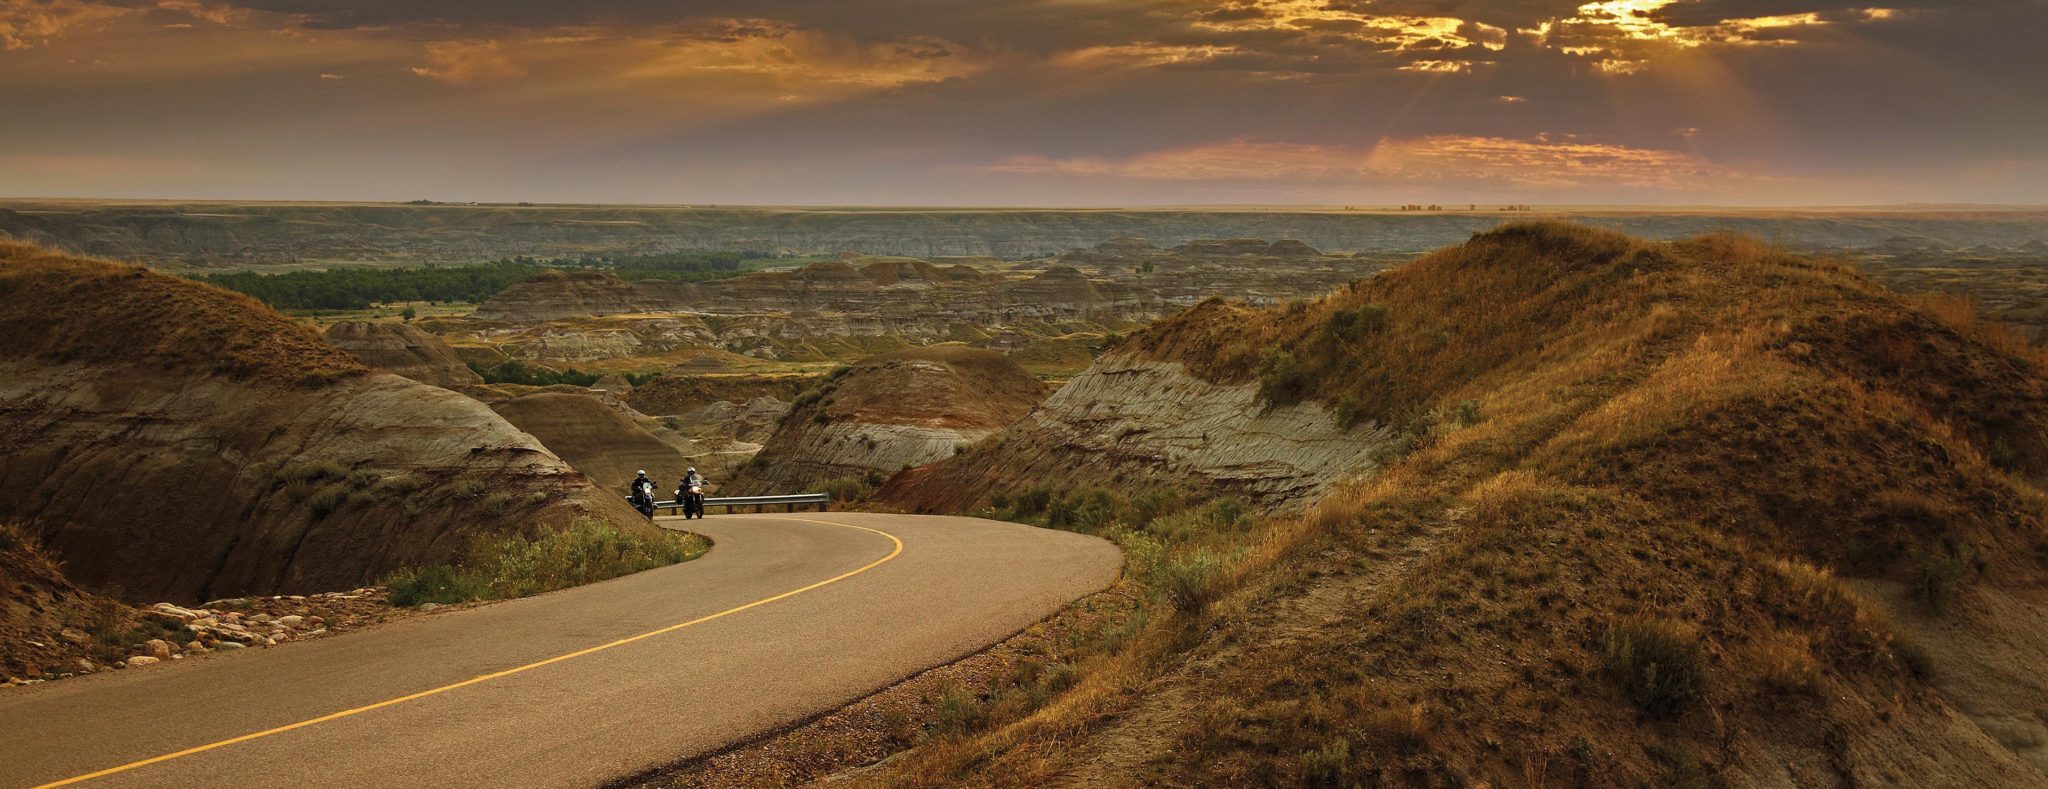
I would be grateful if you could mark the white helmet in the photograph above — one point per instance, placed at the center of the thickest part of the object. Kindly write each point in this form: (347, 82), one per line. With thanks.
(643, 472)
(693, 469)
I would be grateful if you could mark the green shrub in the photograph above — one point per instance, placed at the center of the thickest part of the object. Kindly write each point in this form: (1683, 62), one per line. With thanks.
(1153, 504)
(844, 489)
(328, 499)
(1034, 501)
(471, 488)
(1190, 580)
(496, 503)
(516, 566)
(1329, 765)
(1086, 510)
(957, 711)
(315, 471)
(1283, 379)
(1937, 575)
(402, 484)
(1357, 322)
(1351, 411)
(1657, 662)
(434, 583)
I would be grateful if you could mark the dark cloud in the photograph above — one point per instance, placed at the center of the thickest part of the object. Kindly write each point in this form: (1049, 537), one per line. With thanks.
(1689, 13)
(908, 101)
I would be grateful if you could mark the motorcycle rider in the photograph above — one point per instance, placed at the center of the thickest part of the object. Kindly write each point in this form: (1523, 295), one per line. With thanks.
(643, 494)
(693, 503)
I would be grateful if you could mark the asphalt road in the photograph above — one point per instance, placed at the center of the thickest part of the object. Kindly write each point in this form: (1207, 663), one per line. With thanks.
(724, 651)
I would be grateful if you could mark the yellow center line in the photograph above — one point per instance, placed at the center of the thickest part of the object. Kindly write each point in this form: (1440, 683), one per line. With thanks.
(898, 549)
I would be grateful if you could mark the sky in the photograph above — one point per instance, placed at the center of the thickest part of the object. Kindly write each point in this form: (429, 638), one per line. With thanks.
(1029, 102)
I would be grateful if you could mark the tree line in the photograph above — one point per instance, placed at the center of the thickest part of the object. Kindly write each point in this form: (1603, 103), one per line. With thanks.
(360, 288)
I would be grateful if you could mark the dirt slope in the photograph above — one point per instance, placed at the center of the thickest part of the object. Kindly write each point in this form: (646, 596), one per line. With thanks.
(891, 412)
(403, 349)
(178, 442)
(1680, 513)
(600, 440)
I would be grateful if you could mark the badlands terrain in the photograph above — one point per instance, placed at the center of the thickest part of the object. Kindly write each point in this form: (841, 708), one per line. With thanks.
(1551, 504)
(222, 234)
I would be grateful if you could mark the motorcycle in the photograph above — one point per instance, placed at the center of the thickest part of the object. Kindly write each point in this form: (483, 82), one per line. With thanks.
(643, 500)
(692, 500)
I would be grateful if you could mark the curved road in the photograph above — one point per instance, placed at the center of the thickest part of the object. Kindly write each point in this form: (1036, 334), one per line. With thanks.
(786, 617)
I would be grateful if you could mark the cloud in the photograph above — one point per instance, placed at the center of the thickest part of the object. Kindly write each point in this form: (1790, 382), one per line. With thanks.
(795, 58)
(29, 23)
(467, 62)
(1504, 166)
(1232, 160)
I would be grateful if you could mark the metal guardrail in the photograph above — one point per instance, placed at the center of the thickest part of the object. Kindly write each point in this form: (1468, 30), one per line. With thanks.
(757, 502)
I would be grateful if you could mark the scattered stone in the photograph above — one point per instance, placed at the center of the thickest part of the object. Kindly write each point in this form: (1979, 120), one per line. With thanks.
(229, 645)
(158, 648)
(139, 661)
(429, 606)
(74, 635)
(170, 612)
(314, 621)
(290, 621)
(85, 666)
(195, 645)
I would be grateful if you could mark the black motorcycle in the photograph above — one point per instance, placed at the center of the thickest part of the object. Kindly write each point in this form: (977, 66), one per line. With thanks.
(643, 499)
(692, 500)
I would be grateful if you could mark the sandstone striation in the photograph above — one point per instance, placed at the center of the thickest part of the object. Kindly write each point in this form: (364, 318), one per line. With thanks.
(889, 413)
(179, 442)
(602, 437)
(1129, 417)
(403, 349)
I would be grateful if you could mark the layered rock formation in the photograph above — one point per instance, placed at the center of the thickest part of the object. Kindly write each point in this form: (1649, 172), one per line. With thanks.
(601, 437)
(1132, 418)
(403, 349)
(889, 413)
(179, 442)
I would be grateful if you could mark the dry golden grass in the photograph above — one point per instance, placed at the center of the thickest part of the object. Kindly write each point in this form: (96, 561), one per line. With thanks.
(1606, 433)
(58, 308)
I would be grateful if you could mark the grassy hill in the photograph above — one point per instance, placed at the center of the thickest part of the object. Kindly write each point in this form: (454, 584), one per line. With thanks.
(1678, 513)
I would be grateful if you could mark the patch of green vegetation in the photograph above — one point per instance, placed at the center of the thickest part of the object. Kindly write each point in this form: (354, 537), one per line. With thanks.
(517, 372)
(1657, 662)
(328, 499)
(359, 288)
(1937, 576)
(515, 566)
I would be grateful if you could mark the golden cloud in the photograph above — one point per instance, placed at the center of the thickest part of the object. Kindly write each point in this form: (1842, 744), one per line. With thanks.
(1141, 54)
(799, 59)
(467, 62)
(1542, 162)
(1398, 33)
(1537, 164)
(1225, 161)
(28, 23)
(1623, 36)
